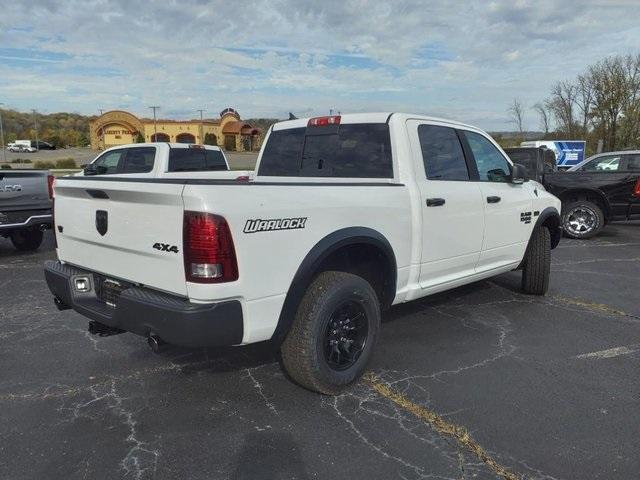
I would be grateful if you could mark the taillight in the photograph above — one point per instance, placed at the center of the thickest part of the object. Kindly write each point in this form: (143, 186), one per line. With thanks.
(50, 180)
(53, 222)
(242, 178)
(324, 121)
(636, 190)
(209, 256)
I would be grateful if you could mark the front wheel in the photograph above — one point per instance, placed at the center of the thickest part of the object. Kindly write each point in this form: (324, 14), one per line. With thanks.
(27, 240)
(333, 333)
(537, 263)
(582, 219)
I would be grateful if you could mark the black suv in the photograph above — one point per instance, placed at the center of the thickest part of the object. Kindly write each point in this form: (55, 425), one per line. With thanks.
(601, 189)
(40, 145)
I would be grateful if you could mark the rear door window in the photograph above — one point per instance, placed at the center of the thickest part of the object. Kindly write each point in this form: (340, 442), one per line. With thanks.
(632, 163)
(492, 166)
(442, 153)
(196, 160)
(139, 160)
(344, 151)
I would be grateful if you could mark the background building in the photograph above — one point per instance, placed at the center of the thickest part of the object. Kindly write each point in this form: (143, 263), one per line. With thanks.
(118, 127)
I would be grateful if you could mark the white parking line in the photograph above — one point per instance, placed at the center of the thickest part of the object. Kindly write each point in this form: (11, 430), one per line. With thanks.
(611, 352)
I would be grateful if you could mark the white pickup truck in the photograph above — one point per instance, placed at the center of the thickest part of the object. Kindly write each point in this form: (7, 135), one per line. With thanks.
(170, 160)
(345, 216)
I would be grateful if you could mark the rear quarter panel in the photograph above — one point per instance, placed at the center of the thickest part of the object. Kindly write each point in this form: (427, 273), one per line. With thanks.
(268, 260)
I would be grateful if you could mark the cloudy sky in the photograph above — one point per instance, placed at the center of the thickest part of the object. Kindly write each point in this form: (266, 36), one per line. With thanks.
(464, 60)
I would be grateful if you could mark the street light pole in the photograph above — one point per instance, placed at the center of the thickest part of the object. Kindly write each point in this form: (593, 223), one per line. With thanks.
(101, 130)
(35, 123)
(4, 153)
(155, 123)
(201, 127)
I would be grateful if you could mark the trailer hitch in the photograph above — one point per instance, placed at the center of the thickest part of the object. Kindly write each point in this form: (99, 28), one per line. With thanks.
(102, 330)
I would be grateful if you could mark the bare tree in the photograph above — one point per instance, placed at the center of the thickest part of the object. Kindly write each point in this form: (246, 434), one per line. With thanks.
(541, 110)
(630, 128)
(584, 100)
(562, 105)
(516, 112)
(609, 82)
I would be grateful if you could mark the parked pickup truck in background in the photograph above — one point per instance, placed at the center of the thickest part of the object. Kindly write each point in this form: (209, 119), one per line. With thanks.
(25, 206)
(172, 160)
(603, 188)
(345, 216)
(538, 161)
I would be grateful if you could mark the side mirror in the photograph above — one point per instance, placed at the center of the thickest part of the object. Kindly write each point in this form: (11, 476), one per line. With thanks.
(90, 170)
(519, 174)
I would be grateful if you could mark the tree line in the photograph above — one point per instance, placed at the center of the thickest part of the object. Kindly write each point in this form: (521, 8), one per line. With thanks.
(59, 129)
(601, 104)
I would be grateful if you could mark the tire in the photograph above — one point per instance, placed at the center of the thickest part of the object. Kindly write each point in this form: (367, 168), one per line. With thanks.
(537, 263)
(308, 354)
(582, 219)
(27, 240)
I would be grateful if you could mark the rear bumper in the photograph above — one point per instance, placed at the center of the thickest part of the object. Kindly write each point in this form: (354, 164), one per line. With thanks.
(144, 311)
(10, 220)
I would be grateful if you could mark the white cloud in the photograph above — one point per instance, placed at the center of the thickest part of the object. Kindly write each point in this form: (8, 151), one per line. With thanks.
(462, 60)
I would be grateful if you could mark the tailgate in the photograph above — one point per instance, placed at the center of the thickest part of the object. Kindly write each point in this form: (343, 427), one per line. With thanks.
(24, 190)
(126, 230)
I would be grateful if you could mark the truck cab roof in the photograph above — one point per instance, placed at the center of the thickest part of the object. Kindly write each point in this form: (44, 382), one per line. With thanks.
(374, 117)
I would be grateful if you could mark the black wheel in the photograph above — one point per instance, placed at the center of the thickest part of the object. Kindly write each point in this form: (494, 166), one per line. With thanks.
(537, 263)
(582, 219)
(27, 240)
(333, 333)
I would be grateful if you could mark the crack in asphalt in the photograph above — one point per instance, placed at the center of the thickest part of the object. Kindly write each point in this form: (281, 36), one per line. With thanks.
(442, 426)
(593, 306)
(139, 459)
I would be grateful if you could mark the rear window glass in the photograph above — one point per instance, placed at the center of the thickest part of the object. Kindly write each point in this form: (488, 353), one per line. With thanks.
(348, 151)
(195, 160)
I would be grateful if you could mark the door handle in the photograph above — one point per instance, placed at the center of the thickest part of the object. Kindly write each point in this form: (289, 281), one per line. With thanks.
(493, 199)
(435, 202)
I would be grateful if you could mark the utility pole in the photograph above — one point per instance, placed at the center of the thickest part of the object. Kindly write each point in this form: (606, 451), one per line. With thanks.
(4, 153)
(35, 123)
(155, 122)
(101, 130)
(201, 127)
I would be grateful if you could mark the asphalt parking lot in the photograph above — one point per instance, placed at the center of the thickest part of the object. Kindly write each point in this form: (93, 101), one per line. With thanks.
(481, 382)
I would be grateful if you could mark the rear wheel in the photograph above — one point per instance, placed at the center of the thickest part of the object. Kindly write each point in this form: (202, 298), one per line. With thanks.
(582, 219)
(333, 334)
(27, 240)
(537, 263)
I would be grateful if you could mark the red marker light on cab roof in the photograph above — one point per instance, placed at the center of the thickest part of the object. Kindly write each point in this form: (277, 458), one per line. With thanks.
(324, 121)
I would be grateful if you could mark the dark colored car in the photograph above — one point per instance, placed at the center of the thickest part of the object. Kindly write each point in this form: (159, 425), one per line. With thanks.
(40, 145)
(537, 160)
(25, 206)
(603, 188)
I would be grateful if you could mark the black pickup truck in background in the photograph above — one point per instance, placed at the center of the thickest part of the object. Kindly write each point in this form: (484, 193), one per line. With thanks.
(603, 188)
(25, 206)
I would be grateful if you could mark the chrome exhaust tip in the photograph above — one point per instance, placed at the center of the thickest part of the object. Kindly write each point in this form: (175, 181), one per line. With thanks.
(155, 342)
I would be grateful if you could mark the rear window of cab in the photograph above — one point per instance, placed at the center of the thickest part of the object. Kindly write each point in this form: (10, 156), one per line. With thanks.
(361, 150)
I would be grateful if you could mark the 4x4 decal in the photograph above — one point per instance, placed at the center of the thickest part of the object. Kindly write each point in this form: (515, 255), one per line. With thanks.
(165, 247)
(260, 225)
